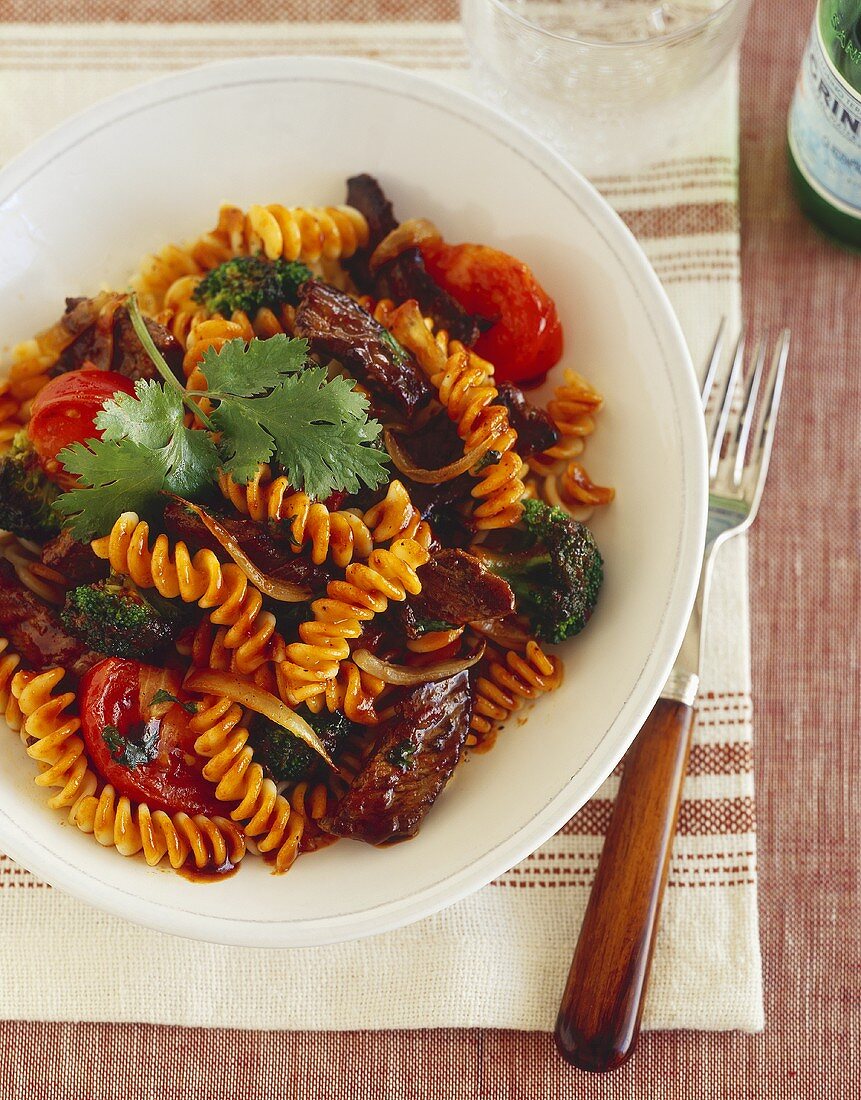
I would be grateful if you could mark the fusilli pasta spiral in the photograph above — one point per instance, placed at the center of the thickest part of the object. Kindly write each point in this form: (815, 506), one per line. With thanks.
(294, 233)
(9, 661)
(198, 578)
(212, 843)
(339, 535)
(266, 815)
(503, 685)
(565, 483)
(52, 727)
(389, 574)
(464, 383)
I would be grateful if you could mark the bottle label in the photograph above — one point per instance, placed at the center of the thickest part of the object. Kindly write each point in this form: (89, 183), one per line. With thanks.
(825, 129)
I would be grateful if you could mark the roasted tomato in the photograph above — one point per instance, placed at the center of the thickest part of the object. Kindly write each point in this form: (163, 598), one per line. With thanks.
(525, 340)
(64, 411)
(145, 750)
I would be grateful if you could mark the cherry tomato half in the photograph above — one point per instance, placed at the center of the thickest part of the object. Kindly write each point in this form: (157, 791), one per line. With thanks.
(120, 723)
(64, 411)
(526, 340)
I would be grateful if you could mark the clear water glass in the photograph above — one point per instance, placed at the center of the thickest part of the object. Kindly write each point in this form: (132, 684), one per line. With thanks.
(612, 84)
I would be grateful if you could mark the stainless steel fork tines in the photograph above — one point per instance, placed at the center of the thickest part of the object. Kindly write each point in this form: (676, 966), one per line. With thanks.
(739, 454)
(740, 431)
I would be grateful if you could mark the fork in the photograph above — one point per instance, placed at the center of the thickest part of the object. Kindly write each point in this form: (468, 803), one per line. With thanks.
(599, 1018)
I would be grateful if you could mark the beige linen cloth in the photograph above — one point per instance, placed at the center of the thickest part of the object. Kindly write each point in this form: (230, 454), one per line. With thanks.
(499, 958)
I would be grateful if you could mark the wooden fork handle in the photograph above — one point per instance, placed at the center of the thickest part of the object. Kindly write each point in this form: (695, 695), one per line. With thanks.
(599, 1019)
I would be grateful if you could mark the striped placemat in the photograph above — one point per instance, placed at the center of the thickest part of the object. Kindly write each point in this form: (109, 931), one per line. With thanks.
(499, 958)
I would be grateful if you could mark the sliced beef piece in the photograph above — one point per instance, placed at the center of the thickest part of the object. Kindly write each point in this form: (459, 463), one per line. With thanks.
(415, 755)
(75, 560)
(457, 588)
(366, 195)
(535, 429)
(130, 358)
(405, 277)
(91, 322)
(106, 340)
(337, 327)
(272, 555)
(433, 445)
(34, 630)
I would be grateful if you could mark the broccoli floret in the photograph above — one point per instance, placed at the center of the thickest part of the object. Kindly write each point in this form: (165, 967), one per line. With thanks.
(26, 495)
(248, 283)
(114, 618)
(557, 576)
(285, 755)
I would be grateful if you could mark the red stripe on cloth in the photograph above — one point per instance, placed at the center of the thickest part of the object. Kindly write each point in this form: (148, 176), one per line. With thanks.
(682, 219)
(697, 817)
(224, 11)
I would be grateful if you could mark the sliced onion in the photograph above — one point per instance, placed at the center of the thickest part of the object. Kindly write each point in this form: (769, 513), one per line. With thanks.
(429, 477)
(255, 698)
(285, 591)
(408, 234)
(506, 632)
(406, 675)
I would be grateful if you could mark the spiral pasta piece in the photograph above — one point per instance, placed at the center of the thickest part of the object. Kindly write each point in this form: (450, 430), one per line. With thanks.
(11, 416)
(340, 535)
(434, 640)
(389, 574)
(211, 843)
(223, 590)
(52, 727)
(267, 816)
(502, 686)
(566, 484)
(9, 661)
(294, 233)
(464, 383)
(574, 404)
(573, 407)
(159, 272)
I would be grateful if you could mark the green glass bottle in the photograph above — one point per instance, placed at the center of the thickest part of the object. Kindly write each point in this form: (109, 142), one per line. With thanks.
(825, 122)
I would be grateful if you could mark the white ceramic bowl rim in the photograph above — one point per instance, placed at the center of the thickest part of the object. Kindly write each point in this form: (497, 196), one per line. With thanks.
(257, 930)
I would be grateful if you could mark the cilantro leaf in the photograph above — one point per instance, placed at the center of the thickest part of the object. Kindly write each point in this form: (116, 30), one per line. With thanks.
(149, 417)
(145, 449)
(247, 370)
(115, 477)
(153, 418)
(244, 442)
(320, 431)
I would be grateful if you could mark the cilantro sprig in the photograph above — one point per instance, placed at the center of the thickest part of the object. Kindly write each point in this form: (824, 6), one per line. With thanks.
(269, 404)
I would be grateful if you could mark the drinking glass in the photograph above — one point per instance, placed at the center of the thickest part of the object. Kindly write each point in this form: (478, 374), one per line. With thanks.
(612, 84)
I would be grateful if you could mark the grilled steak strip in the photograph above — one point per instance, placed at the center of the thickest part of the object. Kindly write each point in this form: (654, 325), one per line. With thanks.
(337, 327)
(535, 429)
(414, 758)
(457, 589)
(35, 632)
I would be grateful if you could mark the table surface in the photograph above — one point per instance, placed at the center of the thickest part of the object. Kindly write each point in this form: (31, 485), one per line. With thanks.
(805, 591)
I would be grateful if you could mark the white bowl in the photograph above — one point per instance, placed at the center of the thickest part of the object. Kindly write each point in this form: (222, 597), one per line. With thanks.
(151, 166)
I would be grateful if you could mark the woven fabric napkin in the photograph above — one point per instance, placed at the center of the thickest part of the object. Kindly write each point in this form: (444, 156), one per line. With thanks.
(499, 958)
